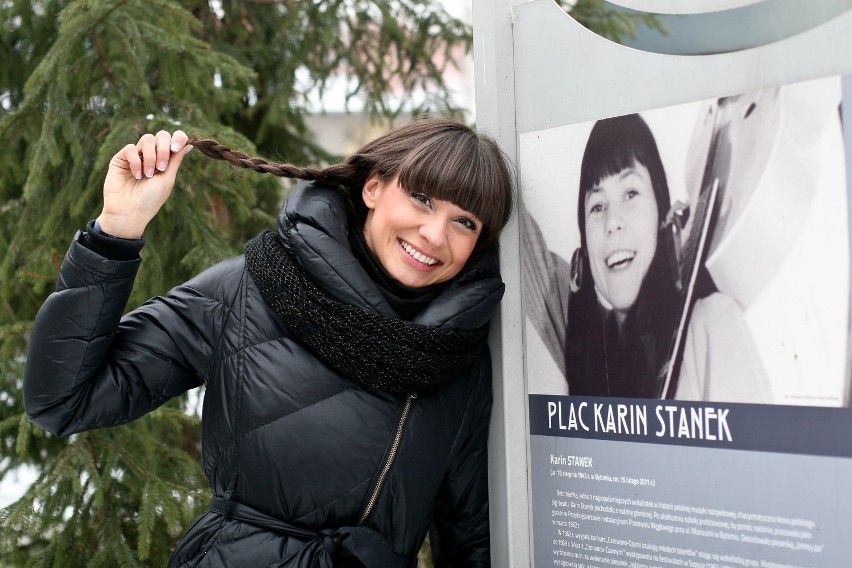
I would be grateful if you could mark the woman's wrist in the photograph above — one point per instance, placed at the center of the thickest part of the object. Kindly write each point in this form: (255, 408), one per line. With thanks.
(120, 228)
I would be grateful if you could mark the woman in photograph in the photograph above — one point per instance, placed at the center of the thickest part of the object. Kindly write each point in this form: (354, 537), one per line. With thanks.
(610, 316)
(624, 308)
(344, 358)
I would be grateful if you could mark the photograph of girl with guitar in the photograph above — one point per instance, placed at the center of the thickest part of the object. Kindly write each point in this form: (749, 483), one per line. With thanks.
(666, 291)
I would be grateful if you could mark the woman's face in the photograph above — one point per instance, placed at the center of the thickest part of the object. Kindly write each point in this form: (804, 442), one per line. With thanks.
(621, 234)
(419, 240)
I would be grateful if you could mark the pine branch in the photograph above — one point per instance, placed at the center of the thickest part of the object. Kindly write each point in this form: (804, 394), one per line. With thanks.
(102, 57)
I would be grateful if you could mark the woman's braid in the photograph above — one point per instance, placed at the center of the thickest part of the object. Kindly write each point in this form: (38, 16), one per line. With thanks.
(337, 174)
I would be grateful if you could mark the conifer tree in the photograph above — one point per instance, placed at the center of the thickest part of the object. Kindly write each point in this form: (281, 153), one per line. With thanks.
(79, 79)
(611, 21)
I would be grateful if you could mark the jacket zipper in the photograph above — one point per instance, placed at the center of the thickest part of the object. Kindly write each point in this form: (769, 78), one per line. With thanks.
(391, 456)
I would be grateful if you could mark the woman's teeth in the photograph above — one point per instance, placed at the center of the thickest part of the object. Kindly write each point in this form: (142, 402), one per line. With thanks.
(417, 256)
(619, 257)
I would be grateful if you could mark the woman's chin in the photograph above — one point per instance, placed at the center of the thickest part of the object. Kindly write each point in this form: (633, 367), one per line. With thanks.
(624, 304)
(619, 302)
(412, 277)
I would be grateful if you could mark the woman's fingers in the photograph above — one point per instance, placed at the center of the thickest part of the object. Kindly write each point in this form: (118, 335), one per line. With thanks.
(147, 147)
(178, 149)
(152, 153)
(156, 150)
(163, 145)
(131, 155)
(179, 139)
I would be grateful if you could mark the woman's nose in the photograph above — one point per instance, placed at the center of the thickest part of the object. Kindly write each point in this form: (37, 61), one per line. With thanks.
(434, 230)
(614, 219)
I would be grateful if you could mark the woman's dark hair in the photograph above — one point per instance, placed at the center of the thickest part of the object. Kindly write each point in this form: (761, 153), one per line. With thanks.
(603, 358)
(615, 144)
(437, 156)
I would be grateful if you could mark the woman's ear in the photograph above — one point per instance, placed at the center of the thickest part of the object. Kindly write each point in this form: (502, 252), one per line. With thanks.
(575, 281)
(371, 189)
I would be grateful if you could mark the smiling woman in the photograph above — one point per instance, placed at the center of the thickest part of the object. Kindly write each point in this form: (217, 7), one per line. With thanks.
(624, 308)
(420, 241)
(621, 236)
(347, 376)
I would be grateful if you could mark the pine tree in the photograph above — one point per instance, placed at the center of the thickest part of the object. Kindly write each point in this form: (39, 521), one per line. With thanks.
(78, 80)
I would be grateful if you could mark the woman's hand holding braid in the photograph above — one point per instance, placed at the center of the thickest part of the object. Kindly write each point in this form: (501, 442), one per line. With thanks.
(139, 180)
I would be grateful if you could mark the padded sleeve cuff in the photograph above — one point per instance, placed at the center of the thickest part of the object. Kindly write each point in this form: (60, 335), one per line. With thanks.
(109, 247)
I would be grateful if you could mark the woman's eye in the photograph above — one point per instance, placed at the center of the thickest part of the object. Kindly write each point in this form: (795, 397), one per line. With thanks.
(422, 198)
(596, 208)
(630, 194)
(468, 224)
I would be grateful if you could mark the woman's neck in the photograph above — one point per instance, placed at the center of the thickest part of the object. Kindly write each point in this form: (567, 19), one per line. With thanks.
(620, 315)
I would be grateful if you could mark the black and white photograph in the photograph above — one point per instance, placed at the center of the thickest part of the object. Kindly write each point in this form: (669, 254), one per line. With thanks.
(695, 252)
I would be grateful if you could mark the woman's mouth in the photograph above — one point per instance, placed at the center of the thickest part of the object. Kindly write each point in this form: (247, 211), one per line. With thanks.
(419, 257)
(620, 258)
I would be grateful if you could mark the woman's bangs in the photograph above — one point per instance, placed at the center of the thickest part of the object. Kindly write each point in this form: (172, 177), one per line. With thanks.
(610, 162)
(457, 171)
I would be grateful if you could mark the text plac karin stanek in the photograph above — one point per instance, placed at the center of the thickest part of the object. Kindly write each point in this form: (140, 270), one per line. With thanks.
(695, 423)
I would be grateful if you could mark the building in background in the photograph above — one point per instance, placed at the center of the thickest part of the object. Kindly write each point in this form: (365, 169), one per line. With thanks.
(342, 132)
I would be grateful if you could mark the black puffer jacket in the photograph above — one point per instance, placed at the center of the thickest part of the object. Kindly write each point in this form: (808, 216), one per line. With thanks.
(291, 448)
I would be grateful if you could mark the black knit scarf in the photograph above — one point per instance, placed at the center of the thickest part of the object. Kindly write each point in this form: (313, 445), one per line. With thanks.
(375, 351)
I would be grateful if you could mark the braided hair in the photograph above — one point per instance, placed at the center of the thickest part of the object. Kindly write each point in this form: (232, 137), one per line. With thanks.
(439, 157)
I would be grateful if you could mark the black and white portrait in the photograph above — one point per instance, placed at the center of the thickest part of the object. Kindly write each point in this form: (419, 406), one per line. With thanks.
(696, 252)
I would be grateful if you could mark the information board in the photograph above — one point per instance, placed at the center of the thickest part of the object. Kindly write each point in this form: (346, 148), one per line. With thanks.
(683, 264)
(710, 242)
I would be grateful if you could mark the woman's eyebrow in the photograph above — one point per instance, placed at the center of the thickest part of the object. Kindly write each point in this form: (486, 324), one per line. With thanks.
(627, 172)
(592, 190)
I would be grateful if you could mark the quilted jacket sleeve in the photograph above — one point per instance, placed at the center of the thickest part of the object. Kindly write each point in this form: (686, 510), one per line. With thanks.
(89, 367)
(461, 533)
